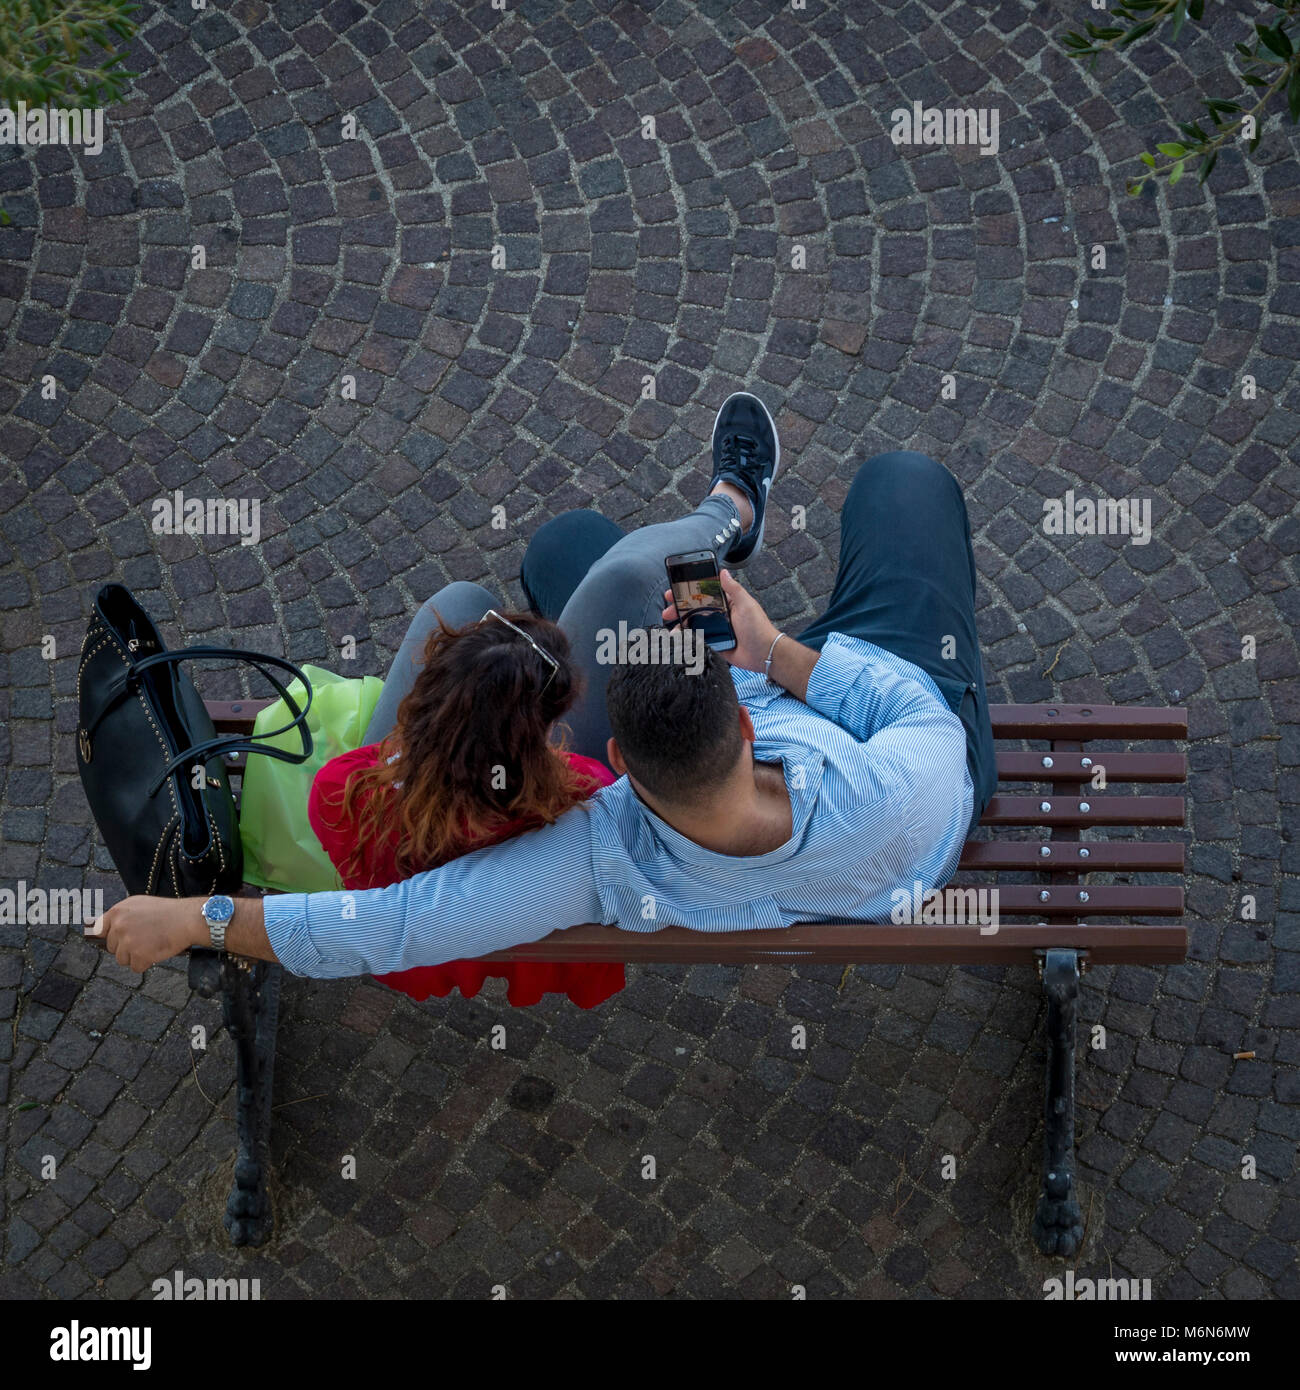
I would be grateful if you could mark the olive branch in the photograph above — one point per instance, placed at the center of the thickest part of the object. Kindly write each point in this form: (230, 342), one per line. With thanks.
(47, 48)
(1270, 64)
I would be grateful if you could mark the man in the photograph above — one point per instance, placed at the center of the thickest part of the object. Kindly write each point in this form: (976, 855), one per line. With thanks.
(811, 780)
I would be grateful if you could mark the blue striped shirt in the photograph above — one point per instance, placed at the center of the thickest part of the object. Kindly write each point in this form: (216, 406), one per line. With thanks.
(880, 796)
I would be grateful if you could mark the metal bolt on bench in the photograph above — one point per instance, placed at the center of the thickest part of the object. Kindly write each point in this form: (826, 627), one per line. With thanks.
(1055, 940)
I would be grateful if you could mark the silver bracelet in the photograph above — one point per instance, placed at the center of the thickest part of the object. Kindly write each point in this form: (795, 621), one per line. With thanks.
(767, 665)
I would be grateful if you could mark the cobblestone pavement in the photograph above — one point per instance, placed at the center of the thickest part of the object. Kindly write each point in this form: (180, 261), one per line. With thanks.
(521, 385)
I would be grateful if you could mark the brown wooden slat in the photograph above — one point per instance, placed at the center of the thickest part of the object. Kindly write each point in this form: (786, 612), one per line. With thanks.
(1086, 721)
(1066, 856)
(233, 726)
(1068, 767)
(1009, 721)
(1104, 900)
(1102, 810)
(982, 856)
(856, 943)
(235, 766)
(234, 716)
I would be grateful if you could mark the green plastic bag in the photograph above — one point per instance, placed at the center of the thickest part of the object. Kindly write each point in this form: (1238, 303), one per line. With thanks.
(280, 848)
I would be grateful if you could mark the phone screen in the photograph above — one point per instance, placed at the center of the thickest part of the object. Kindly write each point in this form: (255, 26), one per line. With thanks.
(701, 604)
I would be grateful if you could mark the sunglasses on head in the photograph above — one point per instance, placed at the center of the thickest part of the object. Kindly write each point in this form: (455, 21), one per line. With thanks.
(545, 655)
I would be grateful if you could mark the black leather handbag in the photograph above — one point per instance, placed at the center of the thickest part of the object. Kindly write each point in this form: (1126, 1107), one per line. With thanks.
(151, 761)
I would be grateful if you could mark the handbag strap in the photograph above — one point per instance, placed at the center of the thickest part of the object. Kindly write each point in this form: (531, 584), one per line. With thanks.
(125, 683)
(219, 747)
(234, 743)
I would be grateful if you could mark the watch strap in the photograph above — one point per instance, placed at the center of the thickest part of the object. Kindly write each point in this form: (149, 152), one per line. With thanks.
(216, 930)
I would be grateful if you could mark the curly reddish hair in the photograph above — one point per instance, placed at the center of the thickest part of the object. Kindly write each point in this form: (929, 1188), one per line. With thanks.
(471, 750)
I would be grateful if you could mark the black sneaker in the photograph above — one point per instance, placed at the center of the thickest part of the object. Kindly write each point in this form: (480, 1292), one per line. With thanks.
(746, 453)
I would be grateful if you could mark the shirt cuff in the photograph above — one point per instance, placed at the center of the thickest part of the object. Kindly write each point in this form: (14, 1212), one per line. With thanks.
(285, 918)
(842, 663)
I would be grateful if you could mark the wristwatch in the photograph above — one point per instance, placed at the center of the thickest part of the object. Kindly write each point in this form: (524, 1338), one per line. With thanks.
(217, 912)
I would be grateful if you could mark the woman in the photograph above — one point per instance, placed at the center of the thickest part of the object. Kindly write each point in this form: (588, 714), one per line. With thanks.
(470, 762)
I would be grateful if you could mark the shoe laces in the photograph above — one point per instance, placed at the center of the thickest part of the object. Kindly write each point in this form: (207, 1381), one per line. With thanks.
(738, 451)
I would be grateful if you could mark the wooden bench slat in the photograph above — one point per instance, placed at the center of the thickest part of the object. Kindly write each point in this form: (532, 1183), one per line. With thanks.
(1026, 811)
(853, 943)
(1104, 900)
(1068, 767)
(1009, 721)
(237, 709)
(1102, 810)
(1065, 856)
(1086, 721)
(1146, 768)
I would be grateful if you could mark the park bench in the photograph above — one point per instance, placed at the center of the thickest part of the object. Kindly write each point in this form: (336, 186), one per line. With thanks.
(1050, 840)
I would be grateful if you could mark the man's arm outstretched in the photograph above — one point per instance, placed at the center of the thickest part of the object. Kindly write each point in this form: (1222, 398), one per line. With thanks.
(517, 891)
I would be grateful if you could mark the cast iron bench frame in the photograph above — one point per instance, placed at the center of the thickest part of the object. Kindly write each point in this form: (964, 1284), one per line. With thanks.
(1057, 939)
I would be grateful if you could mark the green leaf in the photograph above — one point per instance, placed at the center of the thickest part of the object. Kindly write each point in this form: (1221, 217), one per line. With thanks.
(1275, 39)
(1196, 9)
(1149, 160)
(1176, 173)
(27, 1104)
(1207, 166)
(1136, 33)
(1172, 149)
(1180, 18)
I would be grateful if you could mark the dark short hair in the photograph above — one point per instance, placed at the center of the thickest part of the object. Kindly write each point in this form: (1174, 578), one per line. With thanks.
(679, 733)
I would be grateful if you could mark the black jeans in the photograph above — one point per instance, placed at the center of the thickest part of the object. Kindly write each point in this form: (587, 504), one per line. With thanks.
(906, 582)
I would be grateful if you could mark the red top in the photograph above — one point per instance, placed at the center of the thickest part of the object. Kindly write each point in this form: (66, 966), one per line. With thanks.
(586, 985)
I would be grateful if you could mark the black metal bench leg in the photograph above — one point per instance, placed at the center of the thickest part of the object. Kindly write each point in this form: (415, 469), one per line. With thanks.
(250, 1005)
(1058, 1222)
(250, 1008)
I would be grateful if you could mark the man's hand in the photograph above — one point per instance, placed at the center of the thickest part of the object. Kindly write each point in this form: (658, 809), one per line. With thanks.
(141, 931)
(792, 663)
(754, 630)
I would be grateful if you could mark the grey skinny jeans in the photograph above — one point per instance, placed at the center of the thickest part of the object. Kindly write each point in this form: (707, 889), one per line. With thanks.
(627, 582)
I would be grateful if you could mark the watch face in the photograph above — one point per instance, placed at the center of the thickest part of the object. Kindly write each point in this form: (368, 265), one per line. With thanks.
(219, 908)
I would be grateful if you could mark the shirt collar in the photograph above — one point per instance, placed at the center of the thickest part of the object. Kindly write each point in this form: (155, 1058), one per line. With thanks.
(803, 768)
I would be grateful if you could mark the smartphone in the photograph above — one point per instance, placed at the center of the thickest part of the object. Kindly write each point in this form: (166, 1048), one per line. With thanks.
(697, 592)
